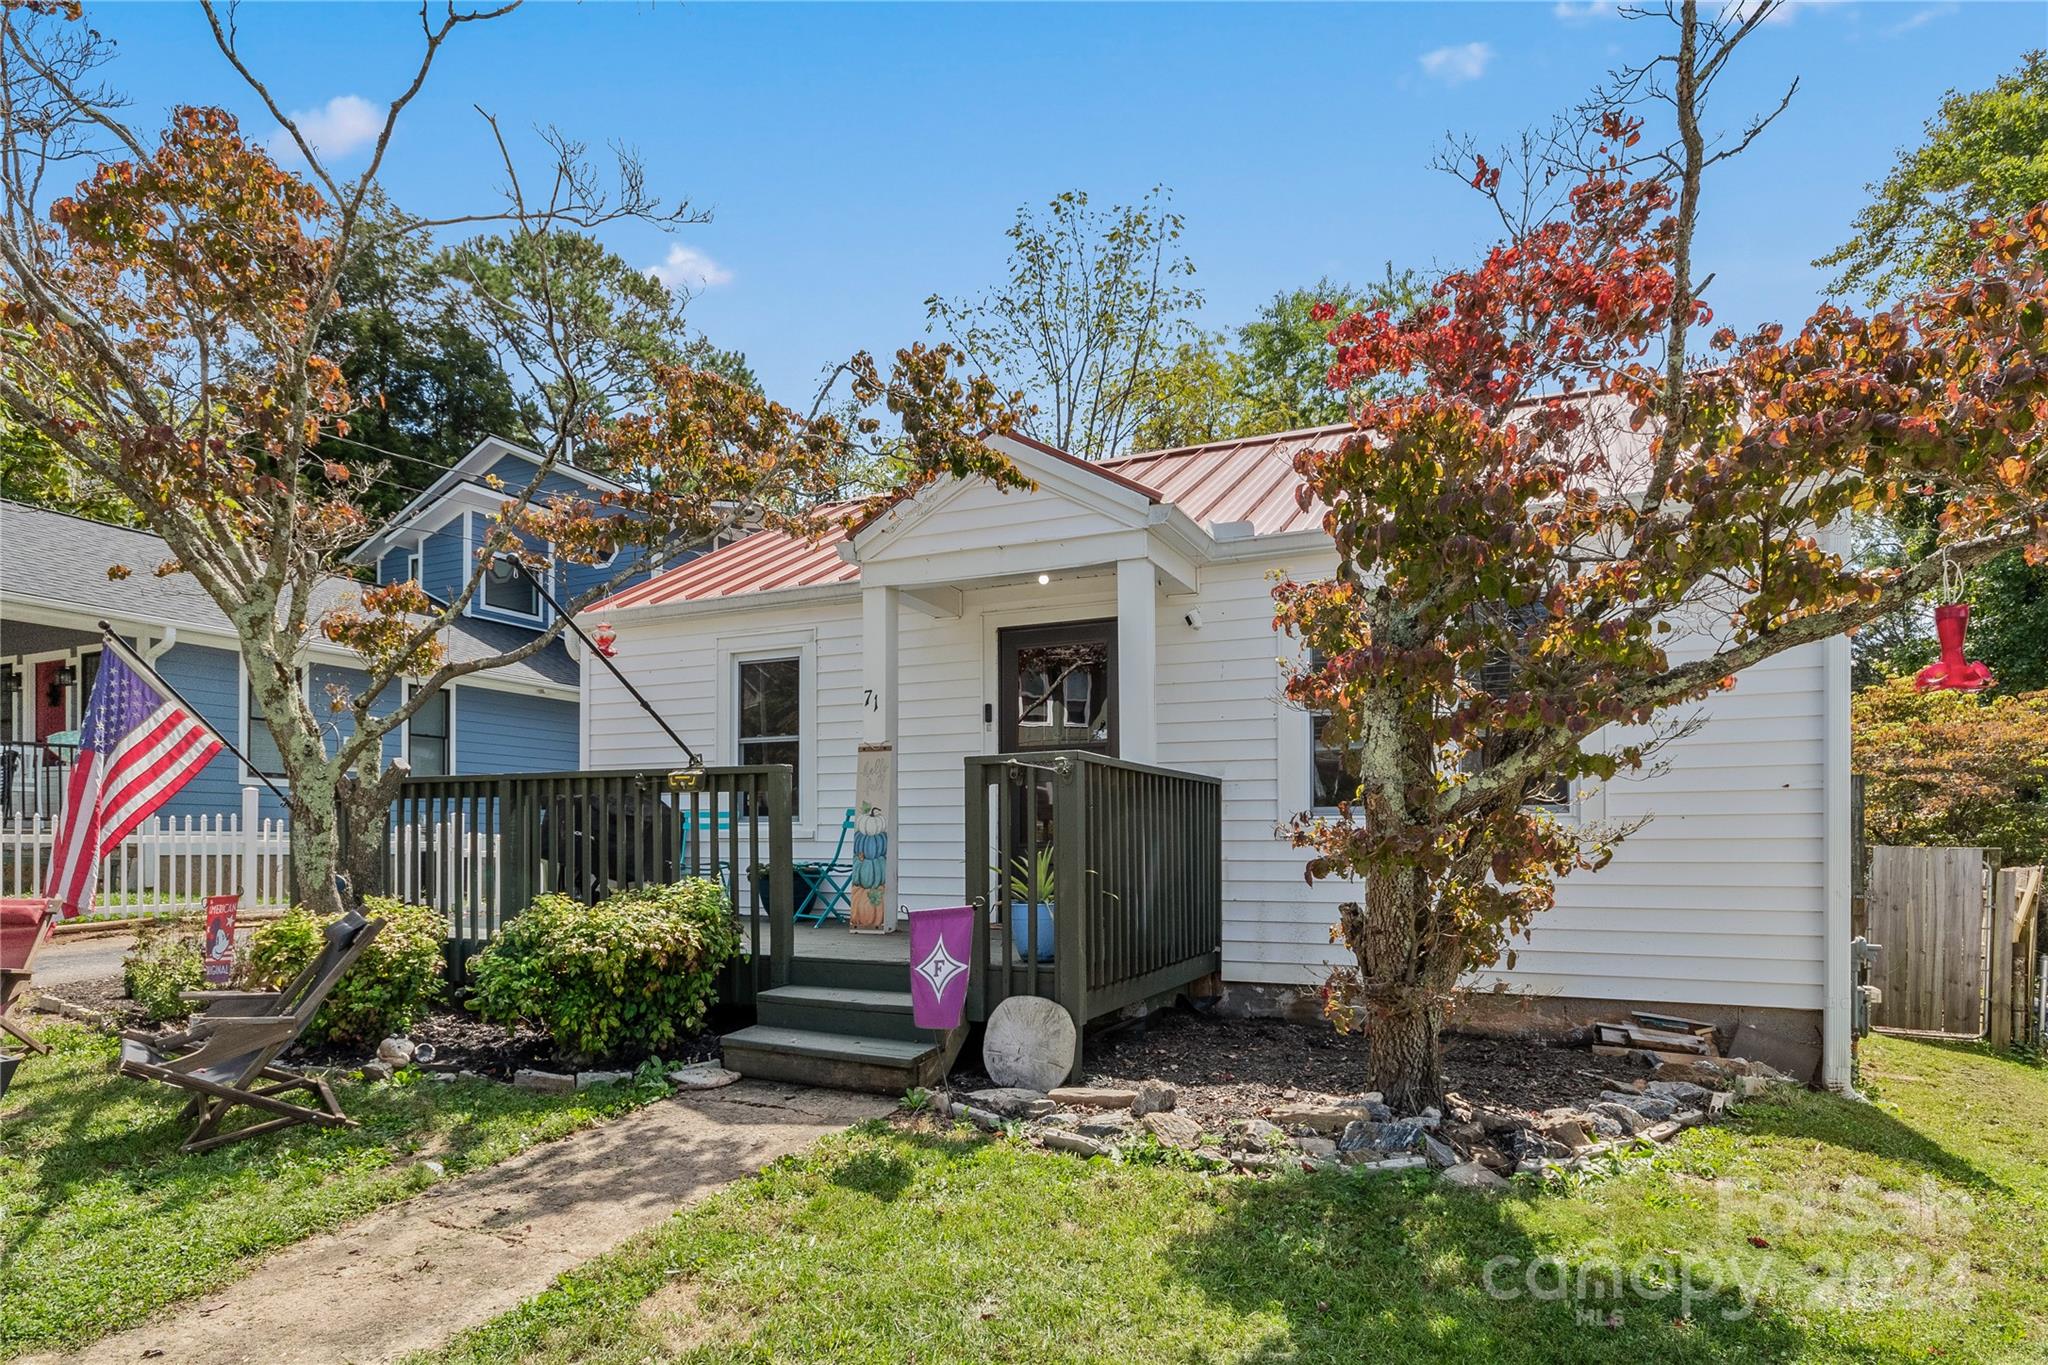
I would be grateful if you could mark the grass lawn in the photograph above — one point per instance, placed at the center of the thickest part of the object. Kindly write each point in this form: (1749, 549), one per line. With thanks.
(103, 1220)
(1808, 1228)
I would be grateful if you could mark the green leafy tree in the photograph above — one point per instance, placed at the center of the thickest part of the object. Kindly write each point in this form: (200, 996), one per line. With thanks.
(428, 387)
(1287, 354)
(34, 470)
(1985, 155)
(1095, 308)
(1948, 769)
(1274, 375)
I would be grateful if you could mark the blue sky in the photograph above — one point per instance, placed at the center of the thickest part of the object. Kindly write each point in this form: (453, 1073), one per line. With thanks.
(859, 158)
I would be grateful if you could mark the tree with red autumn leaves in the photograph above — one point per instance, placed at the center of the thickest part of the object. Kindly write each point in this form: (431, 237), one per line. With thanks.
(1549, 537)
(167, 325)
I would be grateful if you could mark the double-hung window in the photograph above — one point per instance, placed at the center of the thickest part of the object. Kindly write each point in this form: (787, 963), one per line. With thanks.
(428, 733)
(771, 712)
(258, 743)
(1330, 782)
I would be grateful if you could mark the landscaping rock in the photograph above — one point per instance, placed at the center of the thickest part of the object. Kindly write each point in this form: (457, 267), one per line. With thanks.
(702, 1076)
(1061, 1141)
(1029, 1044)
(1175, 1130)
(1603, 1125)
(1057, 1120)
(1681, 1092)
(1369, 1161)
(979, 1117)
(1012, 1101)
(586, 1079)
(1092, 1097)
(1363, 1135)
(1256, 1135)
(1440, 1153)
(1471, 1175)
(1652, 1107)
(1321, 1120)
(397, 1051)
(1113, 1124)
(554, 1082)
(1370, 1106)
(1262, 1162)
(1494, 1122)
(1317, 1148)
(376, 1071)
(1153, 1097)
(1623, 1116)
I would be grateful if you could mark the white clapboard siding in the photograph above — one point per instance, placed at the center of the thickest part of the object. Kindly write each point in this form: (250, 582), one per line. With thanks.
(1718, 899)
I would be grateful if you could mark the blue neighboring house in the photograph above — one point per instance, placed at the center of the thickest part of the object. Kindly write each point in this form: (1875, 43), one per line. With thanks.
(54, 588)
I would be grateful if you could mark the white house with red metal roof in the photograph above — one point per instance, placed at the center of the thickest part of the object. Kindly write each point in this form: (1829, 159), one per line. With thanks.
(1125, 607)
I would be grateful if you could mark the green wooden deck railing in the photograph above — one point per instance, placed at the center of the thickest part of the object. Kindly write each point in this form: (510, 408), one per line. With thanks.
(480, 849)
(1137, 870)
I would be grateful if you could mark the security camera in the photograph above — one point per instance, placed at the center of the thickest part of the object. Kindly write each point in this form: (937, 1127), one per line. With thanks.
(1193, 617)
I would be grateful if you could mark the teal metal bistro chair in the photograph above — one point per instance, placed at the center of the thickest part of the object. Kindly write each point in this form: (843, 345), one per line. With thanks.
(829, 885)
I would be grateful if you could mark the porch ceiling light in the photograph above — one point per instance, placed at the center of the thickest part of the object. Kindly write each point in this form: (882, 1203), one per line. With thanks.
(1044, 579)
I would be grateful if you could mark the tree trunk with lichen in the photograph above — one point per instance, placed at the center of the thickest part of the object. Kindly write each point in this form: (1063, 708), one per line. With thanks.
(1406, 975)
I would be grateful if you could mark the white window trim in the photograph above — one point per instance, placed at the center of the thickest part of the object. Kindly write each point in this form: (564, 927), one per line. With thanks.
(412, 563)
(405, 745)
(733, 650)
(480, 609)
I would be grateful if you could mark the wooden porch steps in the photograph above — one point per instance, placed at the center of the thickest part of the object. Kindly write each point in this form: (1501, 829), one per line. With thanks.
(845, 1061)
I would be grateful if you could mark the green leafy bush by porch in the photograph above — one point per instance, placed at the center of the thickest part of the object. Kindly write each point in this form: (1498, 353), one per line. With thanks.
(395, 981)
(631, 974)
(166, 960)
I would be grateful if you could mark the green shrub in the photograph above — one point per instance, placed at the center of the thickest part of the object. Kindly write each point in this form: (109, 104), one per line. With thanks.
(395, 981)
(631, 974)
(167, 958)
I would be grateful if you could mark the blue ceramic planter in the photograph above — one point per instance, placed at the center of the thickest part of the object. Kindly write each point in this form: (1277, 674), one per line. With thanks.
(1020, 929)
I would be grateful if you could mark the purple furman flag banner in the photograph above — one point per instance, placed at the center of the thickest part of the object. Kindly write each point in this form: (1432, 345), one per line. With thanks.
(941, 945)
(136, 748)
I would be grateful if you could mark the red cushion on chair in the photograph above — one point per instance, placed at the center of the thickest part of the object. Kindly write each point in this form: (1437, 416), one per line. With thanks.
(22, 923)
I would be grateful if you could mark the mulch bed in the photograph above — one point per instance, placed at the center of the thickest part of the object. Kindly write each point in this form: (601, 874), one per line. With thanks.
(462, 1042)
(107, 995)
(1224, 1068)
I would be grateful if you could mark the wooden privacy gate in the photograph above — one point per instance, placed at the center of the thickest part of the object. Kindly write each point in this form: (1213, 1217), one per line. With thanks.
(1958, 939)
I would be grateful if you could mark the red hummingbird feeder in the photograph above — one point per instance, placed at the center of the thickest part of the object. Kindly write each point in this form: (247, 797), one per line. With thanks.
(605, 640)
(1952, 672)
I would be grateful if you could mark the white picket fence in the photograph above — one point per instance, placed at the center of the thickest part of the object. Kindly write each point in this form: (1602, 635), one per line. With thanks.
(167, 864)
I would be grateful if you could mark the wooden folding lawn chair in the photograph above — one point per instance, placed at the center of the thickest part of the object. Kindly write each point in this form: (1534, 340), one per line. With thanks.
(25, 927)
(227, 1056)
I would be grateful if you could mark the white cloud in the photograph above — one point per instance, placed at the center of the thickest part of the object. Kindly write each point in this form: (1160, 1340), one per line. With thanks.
(344, 124)
(1925, 15)
(689, 269)
(1457, 64)
(1581, 11)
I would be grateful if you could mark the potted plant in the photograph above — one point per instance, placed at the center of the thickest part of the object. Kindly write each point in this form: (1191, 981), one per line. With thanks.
(1031, 885)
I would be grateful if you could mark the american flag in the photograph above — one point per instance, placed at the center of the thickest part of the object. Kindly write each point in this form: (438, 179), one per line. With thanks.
(136, 748)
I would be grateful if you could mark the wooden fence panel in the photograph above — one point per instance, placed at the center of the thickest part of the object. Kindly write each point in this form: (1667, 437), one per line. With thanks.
(2015, 932)
(1928, 912)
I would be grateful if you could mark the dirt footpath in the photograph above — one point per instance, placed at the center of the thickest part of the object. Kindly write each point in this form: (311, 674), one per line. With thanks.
(410, 1276)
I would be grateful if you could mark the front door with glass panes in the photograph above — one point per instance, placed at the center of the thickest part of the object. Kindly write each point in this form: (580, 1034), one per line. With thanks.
(1055, 689)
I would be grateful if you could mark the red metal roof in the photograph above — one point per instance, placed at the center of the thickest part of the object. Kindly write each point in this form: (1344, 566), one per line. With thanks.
(766, 561)
(1250, 479)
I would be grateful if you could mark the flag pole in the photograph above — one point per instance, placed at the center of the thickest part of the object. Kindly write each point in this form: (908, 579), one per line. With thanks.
(113, 641)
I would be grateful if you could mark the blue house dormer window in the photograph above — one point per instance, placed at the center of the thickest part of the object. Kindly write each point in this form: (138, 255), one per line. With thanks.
(508, 590)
